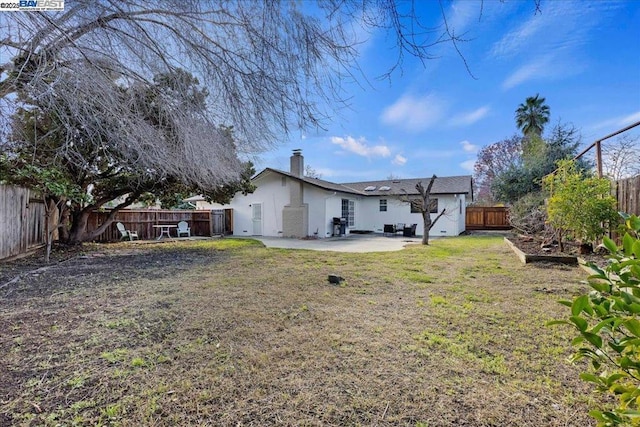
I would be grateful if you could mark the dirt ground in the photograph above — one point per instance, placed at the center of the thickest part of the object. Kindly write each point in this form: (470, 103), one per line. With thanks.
(230, 333)
(532, 246)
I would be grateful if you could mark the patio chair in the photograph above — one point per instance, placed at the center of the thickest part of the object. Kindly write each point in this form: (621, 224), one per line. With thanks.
(124, 233)
(410, 231)
(389, 229)
(183, 228)
(400, 227)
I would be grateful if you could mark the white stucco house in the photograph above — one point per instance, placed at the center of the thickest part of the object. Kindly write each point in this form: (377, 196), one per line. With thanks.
(288, 204)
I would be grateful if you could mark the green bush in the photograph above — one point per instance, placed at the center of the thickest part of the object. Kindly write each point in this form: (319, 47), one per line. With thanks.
(607, 320)
(580, 206)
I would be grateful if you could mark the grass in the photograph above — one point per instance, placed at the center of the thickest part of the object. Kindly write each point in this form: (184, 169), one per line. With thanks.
(228, 332)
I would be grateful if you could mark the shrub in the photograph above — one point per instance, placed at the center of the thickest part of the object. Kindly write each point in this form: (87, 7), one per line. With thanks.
(580, 206)
(607, 320)
(528, 214)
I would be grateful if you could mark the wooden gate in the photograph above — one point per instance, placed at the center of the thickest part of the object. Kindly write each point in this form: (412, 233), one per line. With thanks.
(487, 218)
(222, 221)
(21, 221)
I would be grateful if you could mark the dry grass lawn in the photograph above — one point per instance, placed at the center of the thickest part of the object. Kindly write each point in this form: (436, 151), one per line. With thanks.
(229, 333)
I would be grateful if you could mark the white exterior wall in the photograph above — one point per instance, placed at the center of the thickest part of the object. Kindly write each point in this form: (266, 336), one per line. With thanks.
(273, 196)
(316, 199)
(324, 205)
(332, 208)
(450, 224)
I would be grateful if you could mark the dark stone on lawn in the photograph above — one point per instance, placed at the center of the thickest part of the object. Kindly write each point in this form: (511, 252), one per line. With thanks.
(335, 279)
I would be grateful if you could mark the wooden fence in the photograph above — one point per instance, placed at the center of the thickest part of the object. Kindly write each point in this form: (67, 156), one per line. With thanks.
(21, 221)
(202, 223)
(627, 192)
(487, 218)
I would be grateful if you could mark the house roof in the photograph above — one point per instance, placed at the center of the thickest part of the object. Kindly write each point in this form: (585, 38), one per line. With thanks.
(320, 183)
(442, 185)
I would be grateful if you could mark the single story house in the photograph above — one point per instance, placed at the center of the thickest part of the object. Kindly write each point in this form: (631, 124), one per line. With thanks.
(289, 204)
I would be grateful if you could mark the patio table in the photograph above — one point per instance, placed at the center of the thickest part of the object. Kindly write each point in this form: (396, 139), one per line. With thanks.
(165, 230)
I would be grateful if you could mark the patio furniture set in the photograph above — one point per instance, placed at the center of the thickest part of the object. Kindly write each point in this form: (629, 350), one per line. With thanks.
(182, 228)
(406, 229)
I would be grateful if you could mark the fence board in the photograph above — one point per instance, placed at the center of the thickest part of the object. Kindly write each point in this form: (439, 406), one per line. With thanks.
(487, 218)
(628, 194)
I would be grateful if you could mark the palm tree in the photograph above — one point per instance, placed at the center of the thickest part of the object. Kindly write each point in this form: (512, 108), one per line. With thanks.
(532, 115)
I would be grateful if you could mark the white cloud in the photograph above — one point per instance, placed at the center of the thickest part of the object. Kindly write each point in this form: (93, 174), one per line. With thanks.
(468, 165)
(565, 24)
(552, 43)
(399, 160)
(461, 15)
(468, 147)
(513, 41)
(621, 121)
(414, 113)
(360, 147)
(469, 118)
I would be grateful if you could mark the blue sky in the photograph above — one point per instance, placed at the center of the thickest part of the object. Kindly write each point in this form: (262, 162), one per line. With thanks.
(582, 56)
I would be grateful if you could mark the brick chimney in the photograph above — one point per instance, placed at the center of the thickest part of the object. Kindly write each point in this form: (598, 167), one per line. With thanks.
(295, 215)
(297, 163)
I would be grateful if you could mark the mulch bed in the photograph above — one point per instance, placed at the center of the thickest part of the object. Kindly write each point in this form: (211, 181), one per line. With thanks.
(531, 245)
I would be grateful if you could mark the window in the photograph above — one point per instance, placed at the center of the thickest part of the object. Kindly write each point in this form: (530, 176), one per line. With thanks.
(348, 212)
(385, 188)
(383, 205)
(370, 188)
(415, 206)
(433, 205)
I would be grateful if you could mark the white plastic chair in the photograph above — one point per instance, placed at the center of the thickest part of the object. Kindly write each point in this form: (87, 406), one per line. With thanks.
(183, 228)
(124, 233)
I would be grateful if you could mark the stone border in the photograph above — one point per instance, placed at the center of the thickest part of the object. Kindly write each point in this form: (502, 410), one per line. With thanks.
(527, 258)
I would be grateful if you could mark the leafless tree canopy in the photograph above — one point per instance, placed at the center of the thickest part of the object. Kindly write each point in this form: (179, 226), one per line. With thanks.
(621, 157)
(268, 66)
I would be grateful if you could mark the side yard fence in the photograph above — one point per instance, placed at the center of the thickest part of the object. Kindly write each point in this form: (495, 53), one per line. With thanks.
(487, 218)
(627, 192)
(202, 223)
(21, 221)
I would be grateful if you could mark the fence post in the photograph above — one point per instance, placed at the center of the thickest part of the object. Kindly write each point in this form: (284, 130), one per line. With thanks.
(599, 158)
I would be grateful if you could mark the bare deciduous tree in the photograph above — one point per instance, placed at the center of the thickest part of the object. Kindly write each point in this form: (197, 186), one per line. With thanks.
(422, 203)
(268, 65)
(621, 157)
(310, 172)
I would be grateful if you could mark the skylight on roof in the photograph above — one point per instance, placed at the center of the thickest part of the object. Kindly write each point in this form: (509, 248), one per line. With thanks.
(370, 188)
(385, 188)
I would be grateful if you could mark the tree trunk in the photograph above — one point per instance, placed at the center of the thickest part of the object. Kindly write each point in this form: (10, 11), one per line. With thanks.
(78, 232)
(560, 242)
(426, 220)
(80, 220)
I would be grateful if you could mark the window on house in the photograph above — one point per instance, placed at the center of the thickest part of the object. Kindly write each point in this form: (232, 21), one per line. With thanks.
(433, 206)
(348, 212)
(383, 205)
(460, 206)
